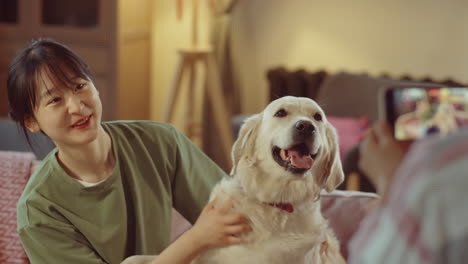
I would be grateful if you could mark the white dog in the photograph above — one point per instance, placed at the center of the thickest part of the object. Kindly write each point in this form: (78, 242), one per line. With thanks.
(282, 159)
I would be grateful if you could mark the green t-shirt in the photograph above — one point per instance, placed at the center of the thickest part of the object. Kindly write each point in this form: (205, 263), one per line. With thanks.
(157, 168)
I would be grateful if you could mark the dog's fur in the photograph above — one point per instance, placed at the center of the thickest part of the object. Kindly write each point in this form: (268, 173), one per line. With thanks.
(257, 180)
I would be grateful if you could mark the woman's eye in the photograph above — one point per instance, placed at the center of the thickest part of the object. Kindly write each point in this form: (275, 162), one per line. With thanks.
(281, 113)
(318, 117)
(54, 100)
(80, 86)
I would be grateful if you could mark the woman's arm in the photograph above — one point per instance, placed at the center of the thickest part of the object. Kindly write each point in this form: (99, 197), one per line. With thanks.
(216, 227)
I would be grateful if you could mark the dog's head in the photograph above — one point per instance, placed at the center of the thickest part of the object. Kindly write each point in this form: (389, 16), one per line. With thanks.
(287, 153)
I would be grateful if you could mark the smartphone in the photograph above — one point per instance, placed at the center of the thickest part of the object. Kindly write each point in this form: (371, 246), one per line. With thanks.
(415, 112)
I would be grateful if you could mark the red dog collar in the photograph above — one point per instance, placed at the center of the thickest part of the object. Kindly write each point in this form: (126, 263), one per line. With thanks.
(283, 206)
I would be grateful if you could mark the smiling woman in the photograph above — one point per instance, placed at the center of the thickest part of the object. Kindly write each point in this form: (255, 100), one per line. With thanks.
(106, 192)
(44, 73)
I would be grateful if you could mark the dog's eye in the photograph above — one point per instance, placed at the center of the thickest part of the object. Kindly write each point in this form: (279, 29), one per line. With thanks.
(281, 113)
(318, 117)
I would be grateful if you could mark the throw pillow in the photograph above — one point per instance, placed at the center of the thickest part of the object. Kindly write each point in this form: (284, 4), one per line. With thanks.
(350, 131)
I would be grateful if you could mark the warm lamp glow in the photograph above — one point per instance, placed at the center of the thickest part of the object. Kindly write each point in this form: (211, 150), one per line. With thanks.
(195, 3)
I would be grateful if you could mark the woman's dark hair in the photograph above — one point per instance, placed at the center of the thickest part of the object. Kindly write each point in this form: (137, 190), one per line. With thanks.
(27, 70)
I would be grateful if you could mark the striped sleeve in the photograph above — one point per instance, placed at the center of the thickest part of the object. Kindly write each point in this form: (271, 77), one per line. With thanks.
(424, 220)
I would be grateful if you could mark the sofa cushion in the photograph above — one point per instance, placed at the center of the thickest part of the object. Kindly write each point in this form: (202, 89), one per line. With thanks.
(350, 131)
(14, 173)
(179, 225)
(344, 211)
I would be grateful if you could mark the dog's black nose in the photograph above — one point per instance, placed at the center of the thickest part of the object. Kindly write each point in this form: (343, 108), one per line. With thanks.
(305, 127)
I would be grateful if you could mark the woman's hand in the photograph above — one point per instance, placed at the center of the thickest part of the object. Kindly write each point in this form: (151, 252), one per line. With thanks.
(218, 227)
(215, 227)
(380, 155)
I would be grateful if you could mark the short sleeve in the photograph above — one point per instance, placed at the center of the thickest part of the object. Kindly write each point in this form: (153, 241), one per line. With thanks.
(45, 244)
(194, 178)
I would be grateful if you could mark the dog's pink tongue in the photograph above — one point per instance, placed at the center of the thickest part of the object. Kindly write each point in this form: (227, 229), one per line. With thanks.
(301, 162)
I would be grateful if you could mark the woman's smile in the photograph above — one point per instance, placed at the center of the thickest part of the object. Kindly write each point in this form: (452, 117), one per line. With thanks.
(82, 123)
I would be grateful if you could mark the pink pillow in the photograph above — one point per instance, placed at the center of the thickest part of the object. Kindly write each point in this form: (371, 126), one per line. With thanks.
(15, 168)
(350, 131)
(179, 225)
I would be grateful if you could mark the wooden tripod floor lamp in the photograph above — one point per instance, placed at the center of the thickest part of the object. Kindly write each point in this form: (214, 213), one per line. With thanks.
(189, 59)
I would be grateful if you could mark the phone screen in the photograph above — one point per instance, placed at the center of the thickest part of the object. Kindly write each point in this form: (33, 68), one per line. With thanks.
(416, 112)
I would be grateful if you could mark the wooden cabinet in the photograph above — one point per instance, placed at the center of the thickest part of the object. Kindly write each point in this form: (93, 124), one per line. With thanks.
(112, 36)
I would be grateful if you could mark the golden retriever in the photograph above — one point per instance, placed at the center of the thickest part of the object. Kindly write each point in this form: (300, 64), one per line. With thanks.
(282, 159)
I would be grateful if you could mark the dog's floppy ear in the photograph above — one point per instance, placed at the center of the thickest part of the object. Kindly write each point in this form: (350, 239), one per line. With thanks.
(333, 175)
(245, 141)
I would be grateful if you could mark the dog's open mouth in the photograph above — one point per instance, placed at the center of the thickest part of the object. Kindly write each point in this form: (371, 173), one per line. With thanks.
(296, 159)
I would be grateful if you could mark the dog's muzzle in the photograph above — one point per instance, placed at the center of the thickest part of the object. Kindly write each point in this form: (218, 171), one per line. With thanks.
(297, 159)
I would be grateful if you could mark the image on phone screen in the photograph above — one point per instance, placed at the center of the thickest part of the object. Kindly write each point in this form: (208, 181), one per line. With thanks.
(418, 112)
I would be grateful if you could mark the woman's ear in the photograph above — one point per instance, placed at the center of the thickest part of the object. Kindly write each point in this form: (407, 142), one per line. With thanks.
(31, 124)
